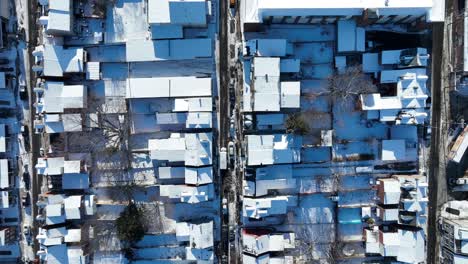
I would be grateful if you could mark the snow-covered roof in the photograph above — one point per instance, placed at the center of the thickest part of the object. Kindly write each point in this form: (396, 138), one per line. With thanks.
(171, 149)
(72, 235)
(2, 80)
(58, 97)
(258, 242)
(393, 150)
(72, 205)
(93, 70)
(198, 176)
(256, 11)
(412, 246)
(290, 94)
(60, 254)
(197, 104)
(165, 173)
(188, 194)
(268, 47)
(395, 56)
(90, 204)
(3, 145)
(178, 12)
(58, 60)
(389, 191)
(262, 187)
(199, 149)
(273, 149)
(60, 17)
(176, 49)
(4, 171)
(262, 207)
(199, 120)
(50, 166)
(350, 37)
(195, 149)
(59, 123)
(54, 214)
(168, 87)
(198, 235)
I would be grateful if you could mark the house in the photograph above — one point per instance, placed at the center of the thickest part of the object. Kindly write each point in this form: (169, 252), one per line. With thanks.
(260, 241)
(59, 61)
(258, 208)
(267, 48)
(4, 174)
(187, 194)
(265, 187)
(405, 246)
(60, 17)
(60, 123)
(415, 57)
(177, 12)
(407, 103)
(64, 254)
(73, 207)
(388, 190)
(198, 176)
(199, 238)
(57, 97)
(191, 149)
(3, 142)
(307, 12)
(169, 87)
(453, 228)
(74, 177)
(273, 149)
(174, 49)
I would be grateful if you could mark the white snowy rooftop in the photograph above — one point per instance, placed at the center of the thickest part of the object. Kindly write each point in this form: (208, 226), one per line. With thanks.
(60, 17)
(273, 149)
(178, 12)
(176, 49)
(58, 97)
(4, 171)
(256, 11)
(389, 191)
(262, 207)
(59, 123)
(188, 194)
(198, 235)
(171, 87)
(58, 60)
(194, 149)
(3, 145)
(257, 242)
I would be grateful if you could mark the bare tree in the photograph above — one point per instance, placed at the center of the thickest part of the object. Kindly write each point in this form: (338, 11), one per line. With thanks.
(347, 85)
(296, 123)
